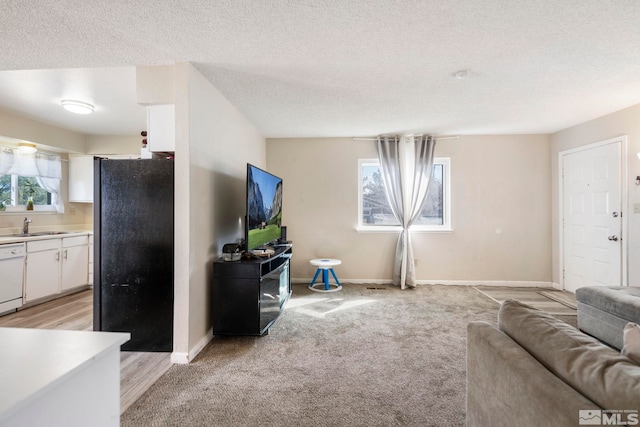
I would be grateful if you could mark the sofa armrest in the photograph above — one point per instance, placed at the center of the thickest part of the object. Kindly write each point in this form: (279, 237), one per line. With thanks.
(506, 386)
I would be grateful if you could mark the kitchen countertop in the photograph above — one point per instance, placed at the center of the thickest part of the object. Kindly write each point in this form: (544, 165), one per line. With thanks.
(35, 361)
(18, 239)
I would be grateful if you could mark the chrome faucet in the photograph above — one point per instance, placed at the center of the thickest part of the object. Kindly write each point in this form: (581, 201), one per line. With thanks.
(25, 226)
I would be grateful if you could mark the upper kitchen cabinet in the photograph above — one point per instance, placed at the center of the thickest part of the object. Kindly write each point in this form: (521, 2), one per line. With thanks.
(81, 175)
(161, 127)
(81, 179)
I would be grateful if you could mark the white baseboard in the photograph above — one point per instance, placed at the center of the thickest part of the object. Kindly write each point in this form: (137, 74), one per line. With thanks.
(180, 358)
(509, 283)
(557, 286)
(183, 358)
(514, 283)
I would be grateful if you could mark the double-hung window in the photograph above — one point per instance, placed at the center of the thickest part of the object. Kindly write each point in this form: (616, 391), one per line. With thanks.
(374, 211)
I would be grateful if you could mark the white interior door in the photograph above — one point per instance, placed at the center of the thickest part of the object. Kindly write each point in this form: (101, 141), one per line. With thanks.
(592, 222)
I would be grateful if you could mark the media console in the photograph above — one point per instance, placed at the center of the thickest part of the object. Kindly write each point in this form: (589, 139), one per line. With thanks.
(247, 296)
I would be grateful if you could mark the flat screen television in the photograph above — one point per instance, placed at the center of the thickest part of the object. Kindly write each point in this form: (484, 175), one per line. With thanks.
(264, 208)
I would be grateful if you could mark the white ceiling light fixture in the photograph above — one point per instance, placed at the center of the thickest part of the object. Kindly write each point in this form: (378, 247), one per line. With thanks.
(27, 148)
(77, 107)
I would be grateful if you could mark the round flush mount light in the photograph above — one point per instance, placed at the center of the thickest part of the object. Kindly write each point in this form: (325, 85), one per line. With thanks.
(77, 107)
(27, 148)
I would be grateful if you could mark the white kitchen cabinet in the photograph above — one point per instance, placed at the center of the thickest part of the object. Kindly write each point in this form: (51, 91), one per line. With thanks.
(161, 128)
(81, 179)
(56, 265)
(42, 276)
(81, 175)
(75, 262)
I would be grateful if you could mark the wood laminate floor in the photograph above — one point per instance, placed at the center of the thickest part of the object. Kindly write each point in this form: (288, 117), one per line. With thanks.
(550, 300)
(138, 371)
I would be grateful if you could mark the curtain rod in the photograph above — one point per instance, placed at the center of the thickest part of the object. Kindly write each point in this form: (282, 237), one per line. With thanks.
(435, 137)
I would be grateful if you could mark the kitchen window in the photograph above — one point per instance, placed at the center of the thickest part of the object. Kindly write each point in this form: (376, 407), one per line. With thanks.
(374, 211)
(30, 179)
(16, 190)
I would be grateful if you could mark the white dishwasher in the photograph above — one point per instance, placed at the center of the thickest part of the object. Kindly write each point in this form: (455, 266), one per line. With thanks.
(11, 276)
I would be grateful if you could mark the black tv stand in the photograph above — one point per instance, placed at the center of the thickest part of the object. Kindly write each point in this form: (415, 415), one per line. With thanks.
(248, 295)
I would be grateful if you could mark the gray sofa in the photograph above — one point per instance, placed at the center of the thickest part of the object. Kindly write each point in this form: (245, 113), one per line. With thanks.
(603, 311)
(535, 370)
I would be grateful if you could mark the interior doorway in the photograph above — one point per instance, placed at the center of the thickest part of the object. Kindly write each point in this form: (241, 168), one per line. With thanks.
(593, 231)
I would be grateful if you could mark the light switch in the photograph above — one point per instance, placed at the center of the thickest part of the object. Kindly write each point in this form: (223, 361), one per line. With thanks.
(636, 208)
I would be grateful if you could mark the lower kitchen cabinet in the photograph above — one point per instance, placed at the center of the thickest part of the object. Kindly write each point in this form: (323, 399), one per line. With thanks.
(55, 265)
(42, 275)
(75, 262)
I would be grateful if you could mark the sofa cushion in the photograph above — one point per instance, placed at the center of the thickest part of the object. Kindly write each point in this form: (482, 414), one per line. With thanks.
(600, 373)
(621, 301)
(507, 386)
(631, 347)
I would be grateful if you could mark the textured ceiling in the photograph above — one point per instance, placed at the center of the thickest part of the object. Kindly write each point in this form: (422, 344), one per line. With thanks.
(341, 68)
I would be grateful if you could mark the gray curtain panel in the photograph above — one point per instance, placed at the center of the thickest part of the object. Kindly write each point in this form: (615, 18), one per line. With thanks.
(392, 157)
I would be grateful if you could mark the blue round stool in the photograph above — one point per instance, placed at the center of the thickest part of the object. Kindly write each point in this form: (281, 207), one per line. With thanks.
(325, 265)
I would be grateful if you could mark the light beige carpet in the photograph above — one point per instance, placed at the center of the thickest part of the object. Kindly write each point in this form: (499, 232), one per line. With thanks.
(368, 355)
(549, 300)
(357, 357)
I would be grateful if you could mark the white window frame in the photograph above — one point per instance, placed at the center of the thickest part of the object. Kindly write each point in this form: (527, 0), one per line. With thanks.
(10, 209)
(444, 227)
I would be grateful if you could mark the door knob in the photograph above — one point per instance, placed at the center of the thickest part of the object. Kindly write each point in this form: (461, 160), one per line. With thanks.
(614, 238)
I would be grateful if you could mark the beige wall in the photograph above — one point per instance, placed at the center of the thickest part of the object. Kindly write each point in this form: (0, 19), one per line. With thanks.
(624, 122)
(19, 127)
(214, 142)
(113, 144)
(499, 183)
(47, 137)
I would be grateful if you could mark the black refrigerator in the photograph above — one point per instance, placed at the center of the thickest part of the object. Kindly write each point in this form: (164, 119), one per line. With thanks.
(133, 251)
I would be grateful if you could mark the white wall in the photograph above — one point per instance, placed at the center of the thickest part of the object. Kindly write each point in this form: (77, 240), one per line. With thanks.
(214, 142)
(624, 122)
(499, 182)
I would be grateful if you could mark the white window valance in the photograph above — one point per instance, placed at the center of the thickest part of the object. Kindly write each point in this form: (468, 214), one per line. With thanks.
(7, 158)
(47, 168)
(37, 164)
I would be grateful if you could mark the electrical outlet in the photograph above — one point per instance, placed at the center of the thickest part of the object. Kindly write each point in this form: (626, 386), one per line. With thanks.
(72, 211)
(415, 261)
(636, 208)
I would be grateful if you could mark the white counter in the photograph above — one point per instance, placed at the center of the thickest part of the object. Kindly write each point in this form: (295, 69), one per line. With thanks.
(13, 239)
(54, 377)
